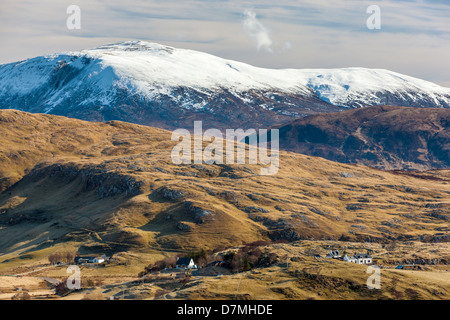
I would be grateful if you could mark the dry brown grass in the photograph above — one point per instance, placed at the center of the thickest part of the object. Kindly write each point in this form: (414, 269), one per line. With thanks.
(304, 277)
(62, 181)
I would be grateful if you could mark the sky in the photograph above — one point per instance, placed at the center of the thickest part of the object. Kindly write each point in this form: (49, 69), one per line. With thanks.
(413, 38)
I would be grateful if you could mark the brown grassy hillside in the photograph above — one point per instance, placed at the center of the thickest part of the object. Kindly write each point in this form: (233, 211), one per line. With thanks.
(109, 187)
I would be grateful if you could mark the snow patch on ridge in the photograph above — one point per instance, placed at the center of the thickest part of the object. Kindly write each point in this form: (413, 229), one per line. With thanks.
(151, 70)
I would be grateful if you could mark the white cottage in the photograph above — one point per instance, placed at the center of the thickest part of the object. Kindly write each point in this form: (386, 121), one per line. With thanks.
(363, 258)
(334, 254)
(185, 263)
(351, 259)
(81, 260)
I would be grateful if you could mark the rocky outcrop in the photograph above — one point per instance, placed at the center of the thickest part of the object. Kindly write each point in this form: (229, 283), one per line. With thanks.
(170, 193)
(252, 209)
(106, 183)
(199, 214)
(183, 226)
(385, 137)
(288, 234)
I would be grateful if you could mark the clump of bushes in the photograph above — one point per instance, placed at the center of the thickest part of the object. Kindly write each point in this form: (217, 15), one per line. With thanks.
(161, 292)
(159, 265)
(21, 296)
(65, 257)
(249, 256)
(246, 258)
(90, 283)
(201, 258)
(61, 288)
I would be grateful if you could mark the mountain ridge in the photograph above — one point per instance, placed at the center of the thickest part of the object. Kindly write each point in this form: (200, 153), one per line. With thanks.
(156, 85)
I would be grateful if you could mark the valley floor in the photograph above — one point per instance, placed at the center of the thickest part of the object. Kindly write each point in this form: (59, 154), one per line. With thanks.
(295, 274)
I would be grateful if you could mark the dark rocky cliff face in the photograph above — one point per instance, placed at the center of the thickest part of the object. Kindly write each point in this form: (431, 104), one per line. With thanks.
(105, 183)
(222, 109)
(384, 137)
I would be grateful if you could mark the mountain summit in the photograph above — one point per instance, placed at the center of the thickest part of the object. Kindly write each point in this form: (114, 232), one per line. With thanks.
(153, 84)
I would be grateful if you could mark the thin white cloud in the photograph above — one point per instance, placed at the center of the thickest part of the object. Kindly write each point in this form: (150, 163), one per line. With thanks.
(287, 46)
(257, 31)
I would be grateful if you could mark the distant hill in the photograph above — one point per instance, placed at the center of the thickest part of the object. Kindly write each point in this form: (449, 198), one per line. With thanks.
(384, 137)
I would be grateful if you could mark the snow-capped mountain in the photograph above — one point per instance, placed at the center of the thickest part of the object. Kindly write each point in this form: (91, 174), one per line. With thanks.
(152, 84)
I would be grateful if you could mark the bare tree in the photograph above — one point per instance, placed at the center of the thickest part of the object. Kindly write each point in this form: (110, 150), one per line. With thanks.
(70, 257)
(54, 258)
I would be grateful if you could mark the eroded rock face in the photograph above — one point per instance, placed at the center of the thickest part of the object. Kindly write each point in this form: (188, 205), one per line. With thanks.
(105, 183)
(199, 214)
(288, 234)
(183, 226)
(169, 193)
(253, 209)
(385, 137)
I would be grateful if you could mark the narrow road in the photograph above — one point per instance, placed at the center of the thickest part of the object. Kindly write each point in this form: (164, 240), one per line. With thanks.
(49, 280)
(52, 281)
(32, 271)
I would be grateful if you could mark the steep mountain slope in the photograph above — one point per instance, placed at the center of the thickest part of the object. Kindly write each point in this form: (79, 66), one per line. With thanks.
(109, 187)
(152, 84)
(383, 136)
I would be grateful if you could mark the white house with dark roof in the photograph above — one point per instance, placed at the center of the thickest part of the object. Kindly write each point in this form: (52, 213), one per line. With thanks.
(185, 263)
(334, 254)
(351, 259)
(81, 260)
(363, 258)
